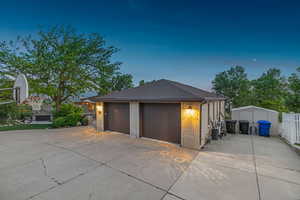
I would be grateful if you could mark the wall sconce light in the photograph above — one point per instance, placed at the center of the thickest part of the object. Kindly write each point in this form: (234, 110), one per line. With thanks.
(190, 110)
(99, 109)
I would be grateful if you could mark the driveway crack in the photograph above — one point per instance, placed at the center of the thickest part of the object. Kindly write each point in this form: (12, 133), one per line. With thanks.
(184, 170)
(255, 168)
(62, 183)
(44, 166)
(75, 152)
(90, 196)
(46, 172)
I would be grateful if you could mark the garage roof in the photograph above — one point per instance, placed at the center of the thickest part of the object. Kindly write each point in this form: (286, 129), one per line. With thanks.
(254, 107)
(160, 91)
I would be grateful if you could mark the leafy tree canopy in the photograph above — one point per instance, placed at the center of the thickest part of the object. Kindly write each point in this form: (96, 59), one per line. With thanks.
(233, 84)
(269, 90)
(293, 97)
(143, 82)
(62, 63)
(5, 82)
(114, 82)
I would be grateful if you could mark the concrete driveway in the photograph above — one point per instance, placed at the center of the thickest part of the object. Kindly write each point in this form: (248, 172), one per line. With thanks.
(77, 163)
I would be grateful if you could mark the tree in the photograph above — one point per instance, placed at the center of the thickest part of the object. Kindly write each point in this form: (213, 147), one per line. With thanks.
(62, 64)
(233, 84)
(293, 97)
(5, 81)
(121, 82)
(269, 90)
(114, 82)
(6, 95)
(143, 82)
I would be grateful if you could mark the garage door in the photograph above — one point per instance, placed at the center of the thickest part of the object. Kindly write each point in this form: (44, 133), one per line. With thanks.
(161, 121)
(116, 117)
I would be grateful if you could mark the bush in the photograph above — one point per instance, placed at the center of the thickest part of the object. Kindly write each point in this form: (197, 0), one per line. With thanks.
(69, 115)
(73, 119)
(13, 112)
(25, 111)
(67, 109)
(59, 122)
(84, 121)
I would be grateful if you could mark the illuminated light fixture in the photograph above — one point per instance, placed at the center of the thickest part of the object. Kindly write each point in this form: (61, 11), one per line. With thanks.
(99, 108)
(190, 110)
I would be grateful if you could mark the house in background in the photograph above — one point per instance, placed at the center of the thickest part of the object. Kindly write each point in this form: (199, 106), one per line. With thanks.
(88, 108)
(163, 110)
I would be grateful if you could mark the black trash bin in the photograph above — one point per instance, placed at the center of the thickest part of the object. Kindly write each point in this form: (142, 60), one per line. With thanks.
(214, 134)
(231, 126)
(244, 126)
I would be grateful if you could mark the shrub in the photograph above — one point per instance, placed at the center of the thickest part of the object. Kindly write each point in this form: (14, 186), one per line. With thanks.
(8, 110)
(84, 121)
(72, 119)
(25, 111)
(67, 109)
(69, 115)
(13, 112)
(59, 122)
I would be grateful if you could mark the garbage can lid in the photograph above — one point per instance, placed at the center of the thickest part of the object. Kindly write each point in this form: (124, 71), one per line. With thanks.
(263, 122)
(234, 121)
(244, 121)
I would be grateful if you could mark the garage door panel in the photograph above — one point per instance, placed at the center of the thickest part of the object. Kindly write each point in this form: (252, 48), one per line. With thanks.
(116, 117)
(161, 121)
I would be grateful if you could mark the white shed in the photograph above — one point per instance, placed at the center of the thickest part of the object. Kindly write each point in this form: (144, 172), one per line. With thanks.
(254, 114)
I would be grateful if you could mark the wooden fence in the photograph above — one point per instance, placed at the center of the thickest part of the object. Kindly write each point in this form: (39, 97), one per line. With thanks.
(291, 127)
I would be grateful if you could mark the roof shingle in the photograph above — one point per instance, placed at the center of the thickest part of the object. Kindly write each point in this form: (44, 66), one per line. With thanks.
(160, 91)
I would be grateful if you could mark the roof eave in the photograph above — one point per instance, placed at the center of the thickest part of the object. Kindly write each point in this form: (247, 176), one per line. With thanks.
(164, 100)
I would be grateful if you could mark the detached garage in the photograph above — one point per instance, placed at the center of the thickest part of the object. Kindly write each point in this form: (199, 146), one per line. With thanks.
(163, 110)
(254, 114)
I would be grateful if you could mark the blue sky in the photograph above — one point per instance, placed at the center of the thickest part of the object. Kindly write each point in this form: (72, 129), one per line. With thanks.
(187, 41)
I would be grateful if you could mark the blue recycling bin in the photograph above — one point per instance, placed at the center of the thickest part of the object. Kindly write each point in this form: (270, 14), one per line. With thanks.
(264, 128)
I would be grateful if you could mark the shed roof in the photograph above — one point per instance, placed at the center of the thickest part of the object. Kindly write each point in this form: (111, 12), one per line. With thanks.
(255, 107)
(160, 91)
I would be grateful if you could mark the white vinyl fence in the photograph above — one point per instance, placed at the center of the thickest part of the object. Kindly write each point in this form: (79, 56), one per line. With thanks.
(291, 127)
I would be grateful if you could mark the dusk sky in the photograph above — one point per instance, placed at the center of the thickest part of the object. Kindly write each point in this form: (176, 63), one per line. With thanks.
(182, 40)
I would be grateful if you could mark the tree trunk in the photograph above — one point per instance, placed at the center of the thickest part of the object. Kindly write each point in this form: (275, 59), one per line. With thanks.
(58, 103)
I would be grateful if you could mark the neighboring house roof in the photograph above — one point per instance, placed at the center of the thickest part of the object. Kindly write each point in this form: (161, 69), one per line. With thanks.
(83, 100)
(160, 91)
(255, 107)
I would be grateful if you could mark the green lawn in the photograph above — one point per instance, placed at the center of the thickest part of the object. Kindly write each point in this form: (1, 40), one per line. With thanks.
(25, 127)
(297, 144)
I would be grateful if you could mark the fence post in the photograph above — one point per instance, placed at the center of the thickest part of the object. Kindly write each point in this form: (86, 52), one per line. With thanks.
(297, 124)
